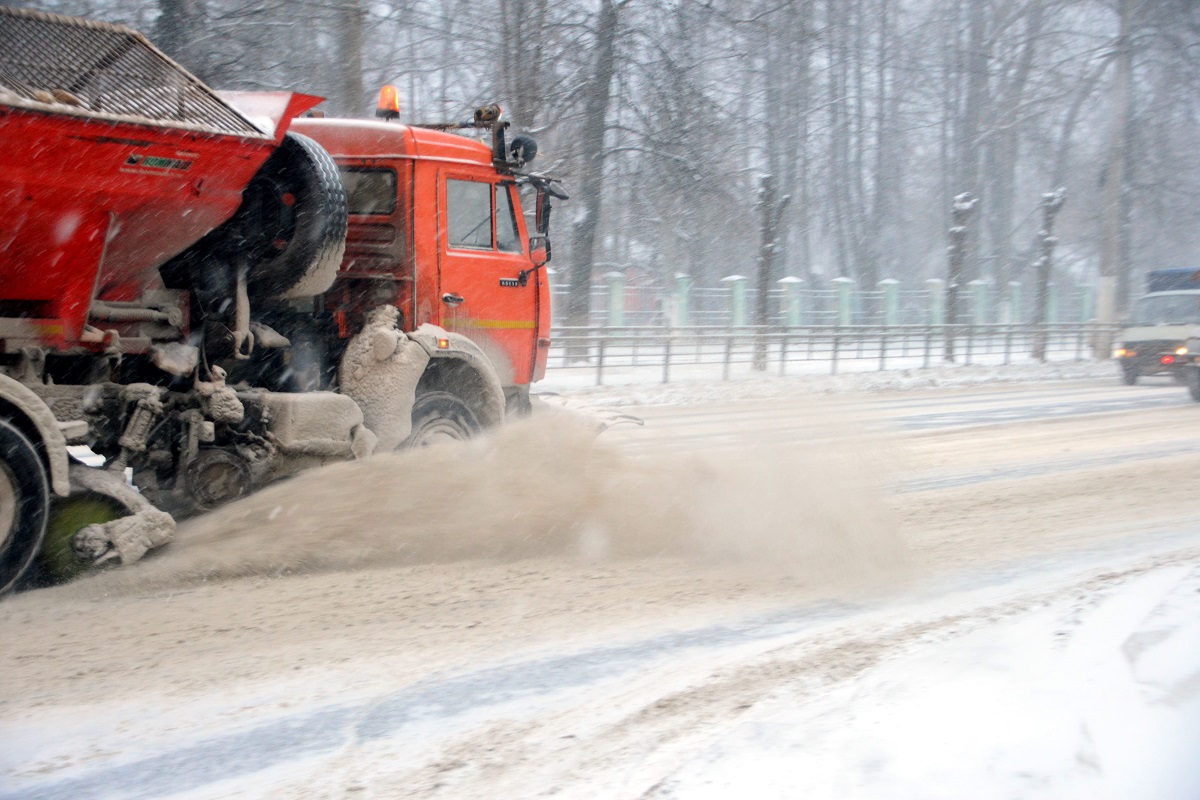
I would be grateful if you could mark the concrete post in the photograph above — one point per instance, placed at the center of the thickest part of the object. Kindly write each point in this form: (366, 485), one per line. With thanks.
(1087, 302)
(844, 288)
(793, 301)
(681, 313)
(737, 299)
(937, 300)
(979, 301)
(891, 300)
(616, 298)
(1014, 301)
(1051, 303)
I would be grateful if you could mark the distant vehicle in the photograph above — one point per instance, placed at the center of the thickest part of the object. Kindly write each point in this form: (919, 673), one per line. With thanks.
(1154, 340)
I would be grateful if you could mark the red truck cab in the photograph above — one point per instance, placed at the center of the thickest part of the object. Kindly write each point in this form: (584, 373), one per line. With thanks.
(437, 230)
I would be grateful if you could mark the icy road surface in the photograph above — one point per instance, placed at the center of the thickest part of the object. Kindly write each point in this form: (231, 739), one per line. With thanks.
(981, 591)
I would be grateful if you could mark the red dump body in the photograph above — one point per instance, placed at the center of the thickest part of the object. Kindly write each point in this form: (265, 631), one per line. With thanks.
(93, 208)
(113, 159)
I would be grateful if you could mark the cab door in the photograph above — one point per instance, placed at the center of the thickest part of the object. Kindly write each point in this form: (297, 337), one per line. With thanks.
(482, 255)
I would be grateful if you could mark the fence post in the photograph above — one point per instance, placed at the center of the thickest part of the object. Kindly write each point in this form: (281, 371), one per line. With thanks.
(737, 299)
(783, 351)
(616, 298)
(667, 356)
(1052, 303)
(681, 312)
(844, 287)
(600, 360)
(728, 356)
(793, 301)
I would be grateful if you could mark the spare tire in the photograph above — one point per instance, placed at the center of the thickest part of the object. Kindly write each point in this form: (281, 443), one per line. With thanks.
(293, 218)
(290, 230)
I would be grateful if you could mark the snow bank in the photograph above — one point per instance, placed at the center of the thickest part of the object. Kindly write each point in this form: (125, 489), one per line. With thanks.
(1094, 695)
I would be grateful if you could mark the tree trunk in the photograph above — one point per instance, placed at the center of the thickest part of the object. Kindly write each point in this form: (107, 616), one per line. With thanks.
(350, 16)
(1052, 202)
(595, 125)
(963, 211)
(974, 63)
(1113, 183)
(770, 211)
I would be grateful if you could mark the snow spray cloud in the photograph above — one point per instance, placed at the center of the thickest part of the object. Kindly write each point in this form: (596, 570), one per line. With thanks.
(547, 487)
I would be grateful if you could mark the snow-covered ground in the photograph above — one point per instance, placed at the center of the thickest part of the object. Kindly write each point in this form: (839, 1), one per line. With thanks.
(1095, 693)
(1018, 616)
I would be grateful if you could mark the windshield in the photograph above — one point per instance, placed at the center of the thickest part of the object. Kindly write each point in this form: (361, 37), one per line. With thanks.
(1166, 309)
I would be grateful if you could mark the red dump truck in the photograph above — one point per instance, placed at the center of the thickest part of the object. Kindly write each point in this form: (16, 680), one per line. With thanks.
(211, 293)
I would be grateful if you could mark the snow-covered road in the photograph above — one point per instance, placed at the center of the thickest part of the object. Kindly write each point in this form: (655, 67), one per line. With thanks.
(985, 591)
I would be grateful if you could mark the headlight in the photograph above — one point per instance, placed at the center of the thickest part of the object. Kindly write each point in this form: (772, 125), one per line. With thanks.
(1181, 351)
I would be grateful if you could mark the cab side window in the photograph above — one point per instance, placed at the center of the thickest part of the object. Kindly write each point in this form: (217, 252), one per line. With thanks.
(469, 214)
(369, 190)
(507, 239)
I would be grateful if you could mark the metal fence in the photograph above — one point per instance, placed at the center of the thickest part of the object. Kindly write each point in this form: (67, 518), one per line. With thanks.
(650, 305)
(640, 353)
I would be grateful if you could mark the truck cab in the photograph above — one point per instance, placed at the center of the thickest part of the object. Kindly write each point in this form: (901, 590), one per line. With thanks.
(435, 229)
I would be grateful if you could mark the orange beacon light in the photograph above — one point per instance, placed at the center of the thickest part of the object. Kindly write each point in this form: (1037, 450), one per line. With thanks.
(389, 103)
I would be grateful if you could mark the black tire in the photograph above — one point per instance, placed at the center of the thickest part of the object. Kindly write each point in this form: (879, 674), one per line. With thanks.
(290, 229)
(1129, 375)
(24, 504)
(294, 216)
(440, 417)
(1192, 377)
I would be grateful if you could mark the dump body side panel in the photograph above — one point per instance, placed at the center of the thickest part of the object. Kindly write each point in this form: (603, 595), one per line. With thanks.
(93, 208)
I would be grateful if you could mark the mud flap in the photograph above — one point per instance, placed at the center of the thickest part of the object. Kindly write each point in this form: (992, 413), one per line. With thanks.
(124, 540)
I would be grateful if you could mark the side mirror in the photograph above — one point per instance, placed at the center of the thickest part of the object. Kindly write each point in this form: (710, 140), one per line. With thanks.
(539, 249)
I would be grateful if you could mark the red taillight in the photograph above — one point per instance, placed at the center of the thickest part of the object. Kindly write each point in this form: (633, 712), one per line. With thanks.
(1167, 359)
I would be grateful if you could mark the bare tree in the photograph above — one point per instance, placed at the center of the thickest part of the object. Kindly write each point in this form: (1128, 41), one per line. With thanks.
(591, 184)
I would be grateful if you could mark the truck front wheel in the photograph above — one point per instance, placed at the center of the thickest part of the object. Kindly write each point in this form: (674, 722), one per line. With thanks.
(24, 504)
(1129, 374)
(440, 417)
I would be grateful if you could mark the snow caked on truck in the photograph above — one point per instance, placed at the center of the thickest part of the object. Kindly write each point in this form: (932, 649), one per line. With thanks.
(212, 293)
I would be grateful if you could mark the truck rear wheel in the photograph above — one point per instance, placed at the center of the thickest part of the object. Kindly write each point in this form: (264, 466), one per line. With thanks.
(24, 504)
(440, 417)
